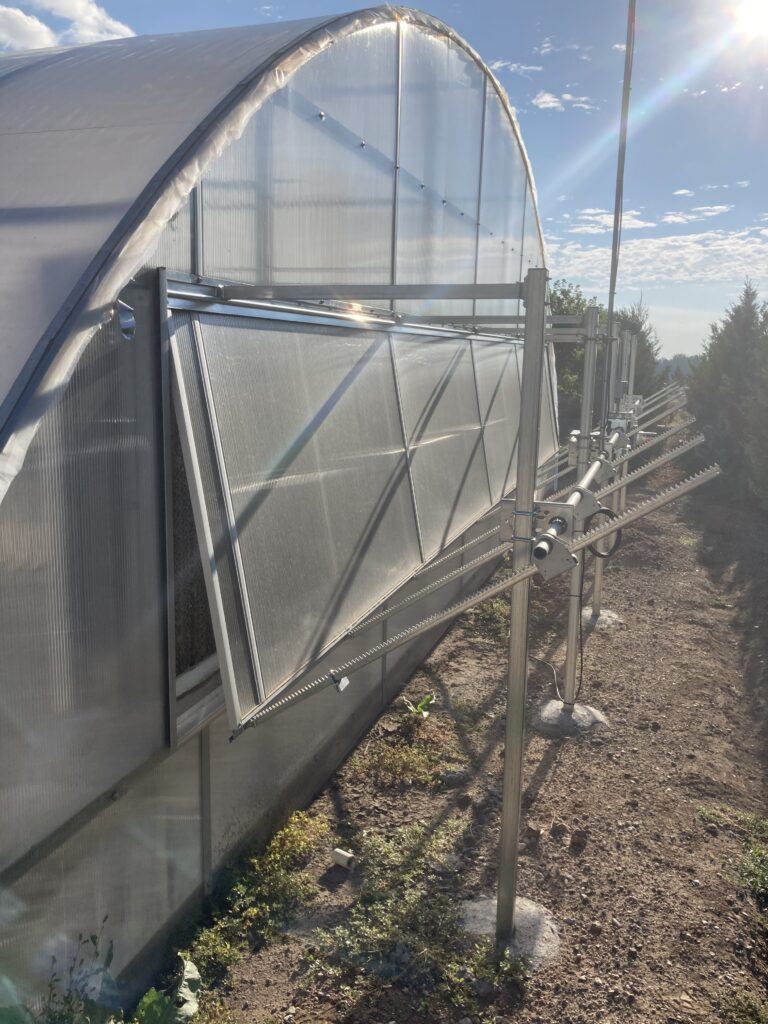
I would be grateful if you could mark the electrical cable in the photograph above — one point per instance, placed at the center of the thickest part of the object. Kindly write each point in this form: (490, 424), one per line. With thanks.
(610, 514)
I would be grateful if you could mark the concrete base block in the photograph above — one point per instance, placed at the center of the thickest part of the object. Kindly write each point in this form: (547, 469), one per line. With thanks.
(605, 620)
(536, 938)
(553, 719)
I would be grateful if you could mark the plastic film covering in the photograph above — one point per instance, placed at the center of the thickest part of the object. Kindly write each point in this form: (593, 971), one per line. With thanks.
(498, 388)
(313, 448)
(307, 193)
(121, 876)
(267, 772)
(441, 123)
(148, 117)
(442, 424)
(174, 248)
(82, 644)
(502, 205)
(547, 420)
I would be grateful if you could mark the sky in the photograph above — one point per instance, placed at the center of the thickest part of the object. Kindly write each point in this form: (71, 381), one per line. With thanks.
(696, 188)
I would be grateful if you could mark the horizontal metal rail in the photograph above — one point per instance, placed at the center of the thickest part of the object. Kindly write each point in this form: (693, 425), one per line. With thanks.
(430, 588)
(366, 292)
(651, 442)
(649, 467)
(651, 407)
(460, 550)
(334, 676)
(658, 416)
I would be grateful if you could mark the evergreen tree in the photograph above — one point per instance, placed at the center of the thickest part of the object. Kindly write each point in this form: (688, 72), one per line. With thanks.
(729, 393)
(636, 318)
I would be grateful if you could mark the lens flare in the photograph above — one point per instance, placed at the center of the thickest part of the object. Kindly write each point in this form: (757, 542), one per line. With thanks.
(751, 18)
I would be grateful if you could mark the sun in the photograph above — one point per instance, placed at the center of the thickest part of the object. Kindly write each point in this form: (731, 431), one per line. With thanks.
(752, 18)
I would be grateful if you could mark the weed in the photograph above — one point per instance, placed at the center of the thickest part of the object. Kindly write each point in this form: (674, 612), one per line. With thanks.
(491, 620)
(257, 898)
(744, 1009)
(401, 764)
(710, 816)
(755, 826)
(467, 715)
(404, 930)
(754, 872)
(420, 710)
(85, 991)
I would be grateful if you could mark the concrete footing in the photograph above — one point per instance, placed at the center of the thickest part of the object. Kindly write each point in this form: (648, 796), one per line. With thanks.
(536, 938)
(554, 719)
(605, 620)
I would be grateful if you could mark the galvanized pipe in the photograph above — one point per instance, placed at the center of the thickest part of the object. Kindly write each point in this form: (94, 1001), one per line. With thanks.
(597, 585)
(657, 463)
(517, 675)
(582, 460)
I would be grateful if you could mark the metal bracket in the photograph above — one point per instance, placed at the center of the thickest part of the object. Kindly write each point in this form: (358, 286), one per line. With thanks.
(558, 561)
(340, 682)
(587, 506)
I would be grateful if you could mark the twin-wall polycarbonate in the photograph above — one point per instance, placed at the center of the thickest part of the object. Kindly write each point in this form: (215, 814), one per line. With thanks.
(328, 463)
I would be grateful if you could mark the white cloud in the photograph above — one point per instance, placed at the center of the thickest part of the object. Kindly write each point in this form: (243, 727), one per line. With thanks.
(515, 69)
(547, 46)
(88, 23)
(596, 221)
(712, 188)
(547, 101)
(697, 213)
(20, 31)
(743, 184)
(621, 47)
(723, 256)
(730, 88)
(683, 192)
(701, 92)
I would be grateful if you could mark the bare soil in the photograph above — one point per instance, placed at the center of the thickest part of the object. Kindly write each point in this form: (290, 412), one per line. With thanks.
(656, 925)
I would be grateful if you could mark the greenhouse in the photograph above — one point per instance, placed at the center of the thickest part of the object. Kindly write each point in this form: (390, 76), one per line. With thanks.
(230, 435)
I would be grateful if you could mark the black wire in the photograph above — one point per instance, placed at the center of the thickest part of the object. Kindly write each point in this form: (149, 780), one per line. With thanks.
(617, 537)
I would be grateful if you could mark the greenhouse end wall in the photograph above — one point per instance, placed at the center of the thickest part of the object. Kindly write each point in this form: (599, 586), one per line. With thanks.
(126, 794)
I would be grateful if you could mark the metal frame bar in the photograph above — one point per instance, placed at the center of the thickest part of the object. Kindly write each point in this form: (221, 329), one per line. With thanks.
(365, 292)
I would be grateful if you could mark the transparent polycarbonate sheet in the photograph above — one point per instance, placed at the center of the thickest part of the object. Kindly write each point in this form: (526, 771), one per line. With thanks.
(82, 630)
(313, 450)
(547, 422)
(498, 387)
(307, 193)
(281, 763)
(134, 864)
(174, 247)
(212, 525)
(533, 255)
(441, 115)
(502, 204)
(442, 425)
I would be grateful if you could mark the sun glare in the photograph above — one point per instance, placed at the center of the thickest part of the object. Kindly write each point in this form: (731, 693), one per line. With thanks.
(752, 18)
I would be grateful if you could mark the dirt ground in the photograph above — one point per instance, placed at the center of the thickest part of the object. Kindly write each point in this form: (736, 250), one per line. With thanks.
(630, 836)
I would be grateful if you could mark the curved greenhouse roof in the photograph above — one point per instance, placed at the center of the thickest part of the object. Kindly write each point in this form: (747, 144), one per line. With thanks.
(103, 143)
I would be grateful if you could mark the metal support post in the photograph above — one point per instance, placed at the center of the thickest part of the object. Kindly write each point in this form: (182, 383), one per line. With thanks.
(585, 428)
(632, 362)
(517, 678)
(626, 342)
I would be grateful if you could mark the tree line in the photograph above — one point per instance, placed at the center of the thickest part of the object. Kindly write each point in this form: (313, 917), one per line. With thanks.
(727, 383)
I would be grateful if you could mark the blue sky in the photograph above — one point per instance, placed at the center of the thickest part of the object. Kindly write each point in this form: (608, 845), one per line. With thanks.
(696, 195)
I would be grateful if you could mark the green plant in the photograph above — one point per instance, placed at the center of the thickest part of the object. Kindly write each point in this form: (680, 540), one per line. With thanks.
(84, 993)
(743, 1008)
(754, 872)
(420, 710)
(710, 816)
(180, 1006)
(491, 619)
(258, 897)
(405, 930)
(399, 764)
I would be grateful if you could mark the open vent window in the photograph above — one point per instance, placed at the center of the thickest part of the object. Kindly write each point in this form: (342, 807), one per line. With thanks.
(327, 460)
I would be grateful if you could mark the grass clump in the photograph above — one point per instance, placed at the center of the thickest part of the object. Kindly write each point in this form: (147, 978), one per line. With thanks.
(491, 620)
(711, 816)
(257, 898)
(404, 931)
(754, 872)
(399, 764)
(744, 1009)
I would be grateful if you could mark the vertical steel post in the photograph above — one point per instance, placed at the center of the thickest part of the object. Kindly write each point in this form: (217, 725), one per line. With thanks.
(612, 343)
(632, 362)
(583, 459)
(626, 341)
(517, 678)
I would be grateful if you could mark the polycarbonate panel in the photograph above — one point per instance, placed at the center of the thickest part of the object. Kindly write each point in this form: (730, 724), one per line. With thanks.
(174, 248)
(547, 423)
(307, 193)
(498, 388)
(82, 615)
(313, 450)
(442, 424)
(135, 864)
(502, 204)
(441, 115)
(533, 255)
(281, 764)
(192, 420)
